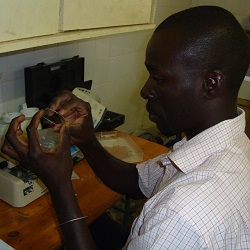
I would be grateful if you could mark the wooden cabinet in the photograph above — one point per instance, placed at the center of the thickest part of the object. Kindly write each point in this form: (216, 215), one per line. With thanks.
(33, 23)
(245, 105)
(85, 14)
(28, 18)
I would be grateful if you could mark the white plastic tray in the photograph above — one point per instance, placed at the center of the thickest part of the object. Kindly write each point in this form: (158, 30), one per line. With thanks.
(121, 146)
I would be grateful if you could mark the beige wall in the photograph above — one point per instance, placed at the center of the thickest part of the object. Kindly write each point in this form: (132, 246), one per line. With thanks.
(114, 63)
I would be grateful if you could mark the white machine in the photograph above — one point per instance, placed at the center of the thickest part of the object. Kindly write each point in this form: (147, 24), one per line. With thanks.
(19, 186)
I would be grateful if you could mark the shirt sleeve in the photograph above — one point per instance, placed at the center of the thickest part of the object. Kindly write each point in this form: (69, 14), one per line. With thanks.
(166, 230)
(149, 173)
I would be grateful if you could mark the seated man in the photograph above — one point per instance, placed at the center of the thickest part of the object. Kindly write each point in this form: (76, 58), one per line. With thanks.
(199, 193)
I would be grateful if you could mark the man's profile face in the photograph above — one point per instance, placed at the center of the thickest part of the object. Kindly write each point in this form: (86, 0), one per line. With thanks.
(173, 84)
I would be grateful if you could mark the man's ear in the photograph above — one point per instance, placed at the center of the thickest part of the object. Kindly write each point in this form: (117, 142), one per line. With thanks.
(213, 83)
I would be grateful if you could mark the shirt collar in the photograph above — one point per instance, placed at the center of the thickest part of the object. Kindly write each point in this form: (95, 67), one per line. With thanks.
(188, 155)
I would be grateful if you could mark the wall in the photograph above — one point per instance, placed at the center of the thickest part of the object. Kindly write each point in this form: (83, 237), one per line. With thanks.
(114, 63)
(240, 8)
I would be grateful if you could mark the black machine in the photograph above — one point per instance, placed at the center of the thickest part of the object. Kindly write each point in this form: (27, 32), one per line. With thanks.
(44, 81)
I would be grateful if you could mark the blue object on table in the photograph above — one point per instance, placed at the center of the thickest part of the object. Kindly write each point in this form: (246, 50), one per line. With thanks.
(73, 149)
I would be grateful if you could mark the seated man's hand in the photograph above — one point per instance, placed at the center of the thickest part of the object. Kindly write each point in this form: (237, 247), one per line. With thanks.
(77, 114)
(53, 167)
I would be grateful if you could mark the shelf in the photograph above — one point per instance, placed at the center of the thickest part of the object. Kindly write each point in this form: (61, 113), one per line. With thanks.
(68, 36)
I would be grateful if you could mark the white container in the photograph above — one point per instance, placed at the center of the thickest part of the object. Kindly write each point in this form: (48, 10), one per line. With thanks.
(7, 117)
(29, 113)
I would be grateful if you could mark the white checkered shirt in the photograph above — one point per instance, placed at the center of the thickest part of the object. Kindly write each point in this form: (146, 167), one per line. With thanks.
(207, 205)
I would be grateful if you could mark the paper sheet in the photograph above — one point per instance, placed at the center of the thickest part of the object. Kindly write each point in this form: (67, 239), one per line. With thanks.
(5, 246)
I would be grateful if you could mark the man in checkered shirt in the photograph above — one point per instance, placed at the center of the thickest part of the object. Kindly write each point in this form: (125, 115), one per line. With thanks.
(199, 193)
